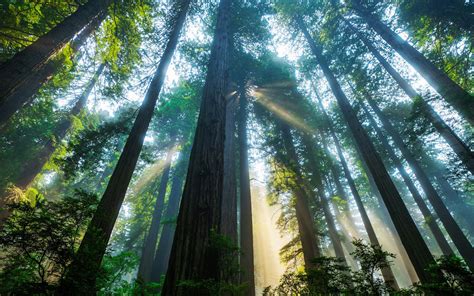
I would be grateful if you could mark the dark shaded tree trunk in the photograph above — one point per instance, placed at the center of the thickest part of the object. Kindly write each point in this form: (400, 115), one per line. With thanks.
(460, 99)
(194, 256)
(80, 279)
(24, 93)
(308, 236)
(387, 272)
(429, 218)
(162, 255)
(149, 245)
(459, 147)
(459, 239)
(411, 237)
(246, 230)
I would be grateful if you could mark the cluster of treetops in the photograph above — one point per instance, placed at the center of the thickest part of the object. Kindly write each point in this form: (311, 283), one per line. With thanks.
(156, 199)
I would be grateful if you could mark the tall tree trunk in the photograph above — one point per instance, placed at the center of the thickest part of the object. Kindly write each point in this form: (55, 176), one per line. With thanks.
(459, 147)
(81, 276)
(460, 99)
(429, 218)
(162, 255)
(229, 202)
(149, 245)
(459, 239)
(387, 272)
(31, 60)
(25, 92)
(246, 230)
(193, 256)
(309, 239)
(411, 237)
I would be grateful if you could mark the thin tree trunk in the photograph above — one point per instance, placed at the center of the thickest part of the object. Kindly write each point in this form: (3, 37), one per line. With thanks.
(162, 255)
(459, 239)
(193, 256)
(149, 245)
(309, 239)
(411, 238)
(31, 60)
(459, 147)
(429, 218)
(25, 92)
(460, 99)
(80, 279)
(246, 230)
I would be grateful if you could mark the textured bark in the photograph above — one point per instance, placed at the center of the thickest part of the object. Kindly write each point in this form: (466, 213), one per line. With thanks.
(193, 256)
(24, 93)
(411, 238)
(459, 147)
(459, 239)
(309, 239)
(246, 231)
(80, 279)
(429, 218)
(149, 245)
(162, 255)
(460, 99)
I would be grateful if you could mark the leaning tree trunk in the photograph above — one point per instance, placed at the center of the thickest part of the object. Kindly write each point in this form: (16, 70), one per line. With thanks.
(406, 227)
(17, 72)
(308, 236)
(459, 239)
(149, 245)
(459, 147)
(429, 218)
(460, 99)
(81, 276)
(246, 230)
(193, 256)
(23, 94)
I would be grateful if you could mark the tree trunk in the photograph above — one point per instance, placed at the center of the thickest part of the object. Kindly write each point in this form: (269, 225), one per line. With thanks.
(411, 238)
(459, 147)
(429, 218)
(162, 255)
(25, 92)
(309, 239)
(149, 245)
(193, 256)
(459, 239)
(246, 230)
(80, 279)
(460, 99)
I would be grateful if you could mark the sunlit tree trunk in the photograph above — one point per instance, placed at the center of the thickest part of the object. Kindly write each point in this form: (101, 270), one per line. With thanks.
(149, 245)
(25, 92)
(81, 276)
(162, 255)
(429, 218)
(460, 99)
(459, 147)
(459, 239)
(194, 256)
(411, 237)
(246, 231)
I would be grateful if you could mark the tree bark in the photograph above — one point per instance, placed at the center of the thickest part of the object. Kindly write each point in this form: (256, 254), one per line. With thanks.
(23, 94)
(149, 245)
(162, 255)
(193, 256)
(411, 238)
(459, 239)
(429, 218)
(459, 147)
(246, 229)
(460, 99)
(80, 279)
